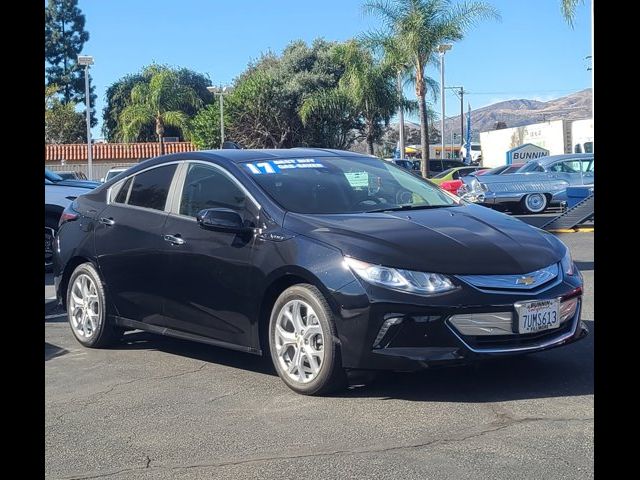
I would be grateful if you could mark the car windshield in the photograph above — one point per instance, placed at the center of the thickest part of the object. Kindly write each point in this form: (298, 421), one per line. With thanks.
(52, 177)
(333, 185)
(513, 169)
(531, 167)
(444, 174)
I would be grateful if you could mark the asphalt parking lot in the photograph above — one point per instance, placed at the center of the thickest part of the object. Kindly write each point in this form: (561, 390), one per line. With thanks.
(155, 408)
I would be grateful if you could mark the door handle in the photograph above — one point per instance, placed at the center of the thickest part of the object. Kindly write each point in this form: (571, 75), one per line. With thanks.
(107, 221)
(174, 239)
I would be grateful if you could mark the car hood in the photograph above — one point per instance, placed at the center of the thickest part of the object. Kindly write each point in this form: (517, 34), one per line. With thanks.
(467, 239)
(78, 183)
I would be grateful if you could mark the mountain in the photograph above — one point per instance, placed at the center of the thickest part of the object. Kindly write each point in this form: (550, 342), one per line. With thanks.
(515, 113)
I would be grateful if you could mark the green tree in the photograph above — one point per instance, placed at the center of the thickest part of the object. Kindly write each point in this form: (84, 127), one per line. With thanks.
(161, 102)
(288, 79)
(65, 35)
(204, 128)
(418, 27)
(260, 112)
(118, 96)
(331, 119)
(366, 91)
(62, 124)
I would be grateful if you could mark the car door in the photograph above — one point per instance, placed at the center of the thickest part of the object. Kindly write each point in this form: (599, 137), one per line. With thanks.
(569, 171)
(129, 245)
(588, 169)
(209, 271)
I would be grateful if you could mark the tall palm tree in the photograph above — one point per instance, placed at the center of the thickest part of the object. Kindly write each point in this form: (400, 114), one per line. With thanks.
(399, 61)
(568, 8)
(419, 26)
(158, 102)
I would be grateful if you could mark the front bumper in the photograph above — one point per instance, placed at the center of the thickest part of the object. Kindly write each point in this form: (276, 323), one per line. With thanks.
(424, 335)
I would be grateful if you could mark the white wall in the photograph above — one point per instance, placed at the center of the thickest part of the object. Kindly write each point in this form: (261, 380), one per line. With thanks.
(554, 136)
(581, 131)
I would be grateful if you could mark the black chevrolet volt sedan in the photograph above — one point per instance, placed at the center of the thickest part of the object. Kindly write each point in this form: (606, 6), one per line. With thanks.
(326, 260)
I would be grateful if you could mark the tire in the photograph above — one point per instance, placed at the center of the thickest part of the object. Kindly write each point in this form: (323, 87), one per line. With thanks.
(308, 362)
(534, 203)
(95, 329)
(50, 231)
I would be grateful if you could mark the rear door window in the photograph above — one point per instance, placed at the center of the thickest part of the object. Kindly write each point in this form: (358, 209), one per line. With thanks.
(151, 188)
(122, 191)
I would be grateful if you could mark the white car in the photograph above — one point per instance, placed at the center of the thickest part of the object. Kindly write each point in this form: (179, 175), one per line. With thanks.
(112, 173)
(476, 153)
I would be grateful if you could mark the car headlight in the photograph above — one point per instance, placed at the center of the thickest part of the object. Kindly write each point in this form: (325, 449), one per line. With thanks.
(568, 266)
(420, 283)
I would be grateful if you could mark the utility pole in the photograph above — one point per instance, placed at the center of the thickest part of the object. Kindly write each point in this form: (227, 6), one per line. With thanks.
(459, 92)
(461, 115)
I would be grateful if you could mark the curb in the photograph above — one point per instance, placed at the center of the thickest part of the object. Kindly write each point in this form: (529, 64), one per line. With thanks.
(573, 230)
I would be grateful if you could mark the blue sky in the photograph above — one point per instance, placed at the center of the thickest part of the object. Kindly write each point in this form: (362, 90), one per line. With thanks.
(532, 53)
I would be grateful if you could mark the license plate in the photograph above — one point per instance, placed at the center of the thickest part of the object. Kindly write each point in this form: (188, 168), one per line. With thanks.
(538, 315)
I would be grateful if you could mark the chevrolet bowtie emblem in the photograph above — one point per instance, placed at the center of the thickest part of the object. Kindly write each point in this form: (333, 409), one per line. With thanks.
(525, 281)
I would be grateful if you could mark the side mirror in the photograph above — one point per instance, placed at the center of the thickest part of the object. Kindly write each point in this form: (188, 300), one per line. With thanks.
(222, 220)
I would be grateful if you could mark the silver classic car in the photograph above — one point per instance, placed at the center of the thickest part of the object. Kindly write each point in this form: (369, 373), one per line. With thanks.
(537, 185)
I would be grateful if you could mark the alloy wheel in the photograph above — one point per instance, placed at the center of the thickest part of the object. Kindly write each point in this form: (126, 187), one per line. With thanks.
(84, 307)
(299, 341)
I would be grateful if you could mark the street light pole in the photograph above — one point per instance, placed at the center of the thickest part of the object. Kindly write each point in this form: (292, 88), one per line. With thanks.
(442, 48)
(220, 91)
(87, 60)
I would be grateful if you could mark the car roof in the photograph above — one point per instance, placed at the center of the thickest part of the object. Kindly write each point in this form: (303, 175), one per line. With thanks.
(247, 155)
(554, 158)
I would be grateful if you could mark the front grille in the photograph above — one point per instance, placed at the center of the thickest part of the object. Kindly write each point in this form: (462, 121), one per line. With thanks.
(519, 341)
(531, 282)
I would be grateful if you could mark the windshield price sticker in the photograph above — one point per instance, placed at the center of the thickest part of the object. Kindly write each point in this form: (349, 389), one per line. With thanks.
(277, 166)
(357, 179)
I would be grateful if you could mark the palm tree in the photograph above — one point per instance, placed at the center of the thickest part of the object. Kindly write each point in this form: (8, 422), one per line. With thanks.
(399, 61)
(366, 89)
(568, 8)
(158, 102)
(418, 27)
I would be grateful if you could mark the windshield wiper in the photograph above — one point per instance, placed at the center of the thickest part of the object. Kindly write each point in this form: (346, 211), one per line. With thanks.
(408, 207)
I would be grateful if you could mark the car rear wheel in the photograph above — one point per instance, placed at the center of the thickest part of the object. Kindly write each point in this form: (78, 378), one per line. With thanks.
(303, 342)
(534, 203)
(86, 309)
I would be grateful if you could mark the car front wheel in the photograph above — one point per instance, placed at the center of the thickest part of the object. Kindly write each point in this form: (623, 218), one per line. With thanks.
(303, 342)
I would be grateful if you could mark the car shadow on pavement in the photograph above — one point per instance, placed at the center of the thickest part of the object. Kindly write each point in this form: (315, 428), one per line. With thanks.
(139, 340)
(53, 351)
(561, 372)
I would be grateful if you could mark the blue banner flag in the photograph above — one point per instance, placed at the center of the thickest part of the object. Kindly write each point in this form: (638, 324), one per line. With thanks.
(467, 159)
